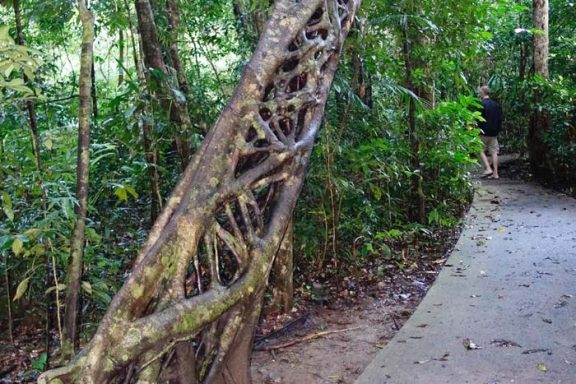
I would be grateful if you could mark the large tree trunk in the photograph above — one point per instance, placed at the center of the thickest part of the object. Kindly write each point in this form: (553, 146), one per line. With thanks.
(252, 20)
(70, 335)
(540, 120)
(282, 277)
(200, 276)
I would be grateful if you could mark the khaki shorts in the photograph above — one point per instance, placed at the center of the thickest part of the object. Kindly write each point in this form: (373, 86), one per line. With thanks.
(490, 144)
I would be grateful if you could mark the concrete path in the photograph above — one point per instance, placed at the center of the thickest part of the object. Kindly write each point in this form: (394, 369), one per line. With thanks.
(508, 288)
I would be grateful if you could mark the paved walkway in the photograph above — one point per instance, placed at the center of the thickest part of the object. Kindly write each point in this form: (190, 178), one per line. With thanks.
(508, 288)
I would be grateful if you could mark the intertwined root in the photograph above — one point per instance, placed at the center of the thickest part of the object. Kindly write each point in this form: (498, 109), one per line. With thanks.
(197, 285)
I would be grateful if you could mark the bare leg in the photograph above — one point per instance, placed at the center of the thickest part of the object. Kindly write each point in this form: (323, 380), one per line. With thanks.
(495, 164)
(485, 163)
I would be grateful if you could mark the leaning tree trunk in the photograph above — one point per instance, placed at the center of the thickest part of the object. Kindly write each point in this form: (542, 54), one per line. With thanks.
(540, 119)
(281, 283)
(195, 291)
(70, 335)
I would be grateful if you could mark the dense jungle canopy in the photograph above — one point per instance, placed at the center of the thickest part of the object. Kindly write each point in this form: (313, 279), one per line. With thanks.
(152, 154)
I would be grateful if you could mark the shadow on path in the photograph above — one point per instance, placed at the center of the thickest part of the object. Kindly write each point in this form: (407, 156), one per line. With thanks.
(509, 289)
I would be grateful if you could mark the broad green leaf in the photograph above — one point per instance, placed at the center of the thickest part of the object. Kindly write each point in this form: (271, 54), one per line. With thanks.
(22, 288)
(6, 201)
(49, 144)
(87, 287)
(121, 194)
(9, 213)
(60, 288)
(39, 364)
(7, 69)
(28, 72)
(5, 242)
(33, 233)
(131, 190)
(17, 246)
(5, 34)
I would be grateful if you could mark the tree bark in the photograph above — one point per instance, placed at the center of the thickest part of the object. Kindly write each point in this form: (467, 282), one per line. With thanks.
(70, 336)
(174, 23)
(540, 120)
(540, 10)
(200, 276)
(146, 126)
(121, 54)
(417, 186)
(178, 110)
(251, 24)
(282, 276)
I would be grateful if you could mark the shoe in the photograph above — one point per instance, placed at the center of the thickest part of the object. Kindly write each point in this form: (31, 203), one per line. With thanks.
(486, 175)
(492, 177)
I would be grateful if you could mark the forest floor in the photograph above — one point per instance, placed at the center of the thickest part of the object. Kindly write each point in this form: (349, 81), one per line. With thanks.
(332, 341)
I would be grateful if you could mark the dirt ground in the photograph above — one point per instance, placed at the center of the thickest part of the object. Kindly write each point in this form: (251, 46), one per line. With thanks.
(337, 357)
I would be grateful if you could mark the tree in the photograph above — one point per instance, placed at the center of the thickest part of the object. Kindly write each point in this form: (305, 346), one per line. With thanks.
(188, 308)
(540, 120)
(154, 61)
(70, 334)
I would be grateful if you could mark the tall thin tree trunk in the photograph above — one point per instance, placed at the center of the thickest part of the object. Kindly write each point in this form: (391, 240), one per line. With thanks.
(151, 157)
(93, 89)
(417, 181)
(121, 54)
(226, 218)
(146, 125)
(153, 59)
(174, 23)
(540, 120)
(75, 267)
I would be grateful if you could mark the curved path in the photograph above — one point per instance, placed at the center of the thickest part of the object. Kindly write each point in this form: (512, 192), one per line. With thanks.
(509, 289)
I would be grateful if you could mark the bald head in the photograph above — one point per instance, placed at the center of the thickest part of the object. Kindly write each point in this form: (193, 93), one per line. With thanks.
(484, 92)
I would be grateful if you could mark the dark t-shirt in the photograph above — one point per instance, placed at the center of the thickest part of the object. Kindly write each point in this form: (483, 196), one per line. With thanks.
(492, 113)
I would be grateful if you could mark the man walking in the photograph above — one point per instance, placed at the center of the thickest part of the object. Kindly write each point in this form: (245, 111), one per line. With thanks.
(489, 129)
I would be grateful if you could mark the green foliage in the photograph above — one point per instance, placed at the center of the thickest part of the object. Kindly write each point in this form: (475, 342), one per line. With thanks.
(15, 61)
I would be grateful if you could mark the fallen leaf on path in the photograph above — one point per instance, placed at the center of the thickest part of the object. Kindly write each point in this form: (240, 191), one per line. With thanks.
(443, 358)
(470, 345)
(505, 343)
(542, 368)
(547, 321)
(537, 350)
(561, 304)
